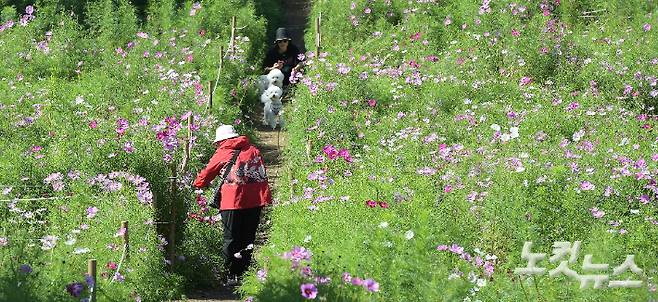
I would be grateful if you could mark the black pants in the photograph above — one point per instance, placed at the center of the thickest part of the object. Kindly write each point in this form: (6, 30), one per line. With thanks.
(239, 231)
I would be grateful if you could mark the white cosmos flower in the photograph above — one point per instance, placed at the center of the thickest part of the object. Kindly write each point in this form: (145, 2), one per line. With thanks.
(495, 127)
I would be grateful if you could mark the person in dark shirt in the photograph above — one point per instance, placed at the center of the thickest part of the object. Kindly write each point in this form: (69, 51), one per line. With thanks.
(284, 55)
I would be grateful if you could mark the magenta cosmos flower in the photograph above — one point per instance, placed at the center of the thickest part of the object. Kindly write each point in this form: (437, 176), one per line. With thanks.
(309, 291)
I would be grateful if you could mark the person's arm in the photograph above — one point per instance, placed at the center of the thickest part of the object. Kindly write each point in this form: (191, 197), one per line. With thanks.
(211, 170)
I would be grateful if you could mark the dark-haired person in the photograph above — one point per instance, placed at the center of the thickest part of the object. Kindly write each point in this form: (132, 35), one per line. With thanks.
(284, 55)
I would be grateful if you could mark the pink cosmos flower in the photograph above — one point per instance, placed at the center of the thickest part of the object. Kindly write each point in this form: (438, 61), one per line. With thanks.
(371, 203)
(121, 232)
(447, 21)
(111, 265)
(91, 212)
(330, 151)
(442, 247)
(525, 81)
(357, 281)
(447, 189)
(309, 291)
(456, 249)
(371, 285)
(596, 212)
(347, 278)
(515, 32)
(261, 275)
(587, 186)
(646, 27)
(372, 102)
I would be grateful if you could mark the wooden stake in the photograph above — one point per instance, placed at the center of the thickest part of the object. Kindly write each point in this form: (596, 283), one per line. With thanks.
(124, 225)
(318, 36)
(232, 49)
(91, 270)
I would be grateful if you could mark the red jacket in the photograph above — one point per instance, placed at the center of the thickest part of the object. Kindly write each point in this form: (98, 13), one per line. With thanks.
(246, 185)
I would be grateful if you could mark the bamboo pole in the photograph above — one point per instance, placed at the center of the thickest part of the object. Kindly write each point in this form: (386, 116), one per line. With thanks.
(91, 270)
(172, 218)
(210, 92)
(233, 21)
(221, 58)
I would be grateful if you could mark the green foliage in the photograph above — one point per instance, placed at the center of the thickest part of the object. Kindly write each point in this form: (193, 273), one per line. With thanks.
(91, 95)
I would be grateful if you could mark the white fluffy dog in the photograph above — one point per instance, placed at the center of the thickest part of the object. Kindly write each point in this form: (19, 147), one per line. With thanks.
(272, 106)
(275, 77)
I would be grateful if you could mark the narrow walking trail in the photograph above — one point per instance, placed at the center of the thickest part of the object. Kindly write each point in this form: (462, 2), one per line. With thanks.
(270, 142)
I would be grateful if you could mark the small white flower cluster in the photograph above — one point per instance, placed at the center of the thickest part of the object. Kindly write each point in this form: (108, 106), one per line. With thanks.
(505, 137)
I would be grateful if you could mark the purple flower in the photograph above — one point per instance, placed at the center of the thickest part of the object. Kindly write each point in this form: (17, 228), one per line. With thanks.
(646, 27)
(357, 281)
(25, 269)
(75, 289)
(128, 147)
(347, 278)
(586, 186)
(426, 171)
(309, 291)
(261, 275)
(307, 271)
(456, 249)
(330, 151)
(118, 277)
(371, 285)
(525, 81)
(342, 68)
(91, 212)
(596, 212)
(4, 241)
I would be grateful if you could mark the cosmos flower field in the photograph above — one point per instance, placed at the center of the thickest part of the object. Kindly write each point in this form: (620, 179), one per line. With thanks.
(444, 135)
(428, 143)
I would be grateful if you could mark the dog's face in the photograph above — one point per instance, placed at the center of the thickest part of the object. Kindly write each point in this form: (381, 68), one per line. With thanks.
(275, 77)
(276, 106)
(274, 93)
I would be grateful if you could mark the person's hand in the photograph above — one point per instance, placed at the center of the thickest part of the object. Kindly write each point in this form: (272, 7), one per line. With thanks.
(297, 67)
(278, 65)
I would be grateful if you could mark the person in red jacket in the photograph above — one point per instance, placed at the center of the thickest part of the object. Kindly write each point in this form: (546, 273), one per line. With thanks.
(244, 193)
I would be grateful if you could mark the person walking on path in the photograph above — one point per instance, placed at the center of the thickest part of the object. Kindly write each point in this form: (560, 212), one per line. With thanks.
(284, 55)
(244, 192)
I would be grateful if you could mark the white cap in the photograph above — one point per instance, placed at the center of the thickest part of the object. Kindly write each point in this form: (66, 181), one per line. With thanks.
(223, 132)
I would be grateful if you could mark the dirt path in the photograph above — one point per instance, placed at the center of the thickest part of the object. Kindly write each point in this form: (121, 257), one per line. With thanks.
(270, 142)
